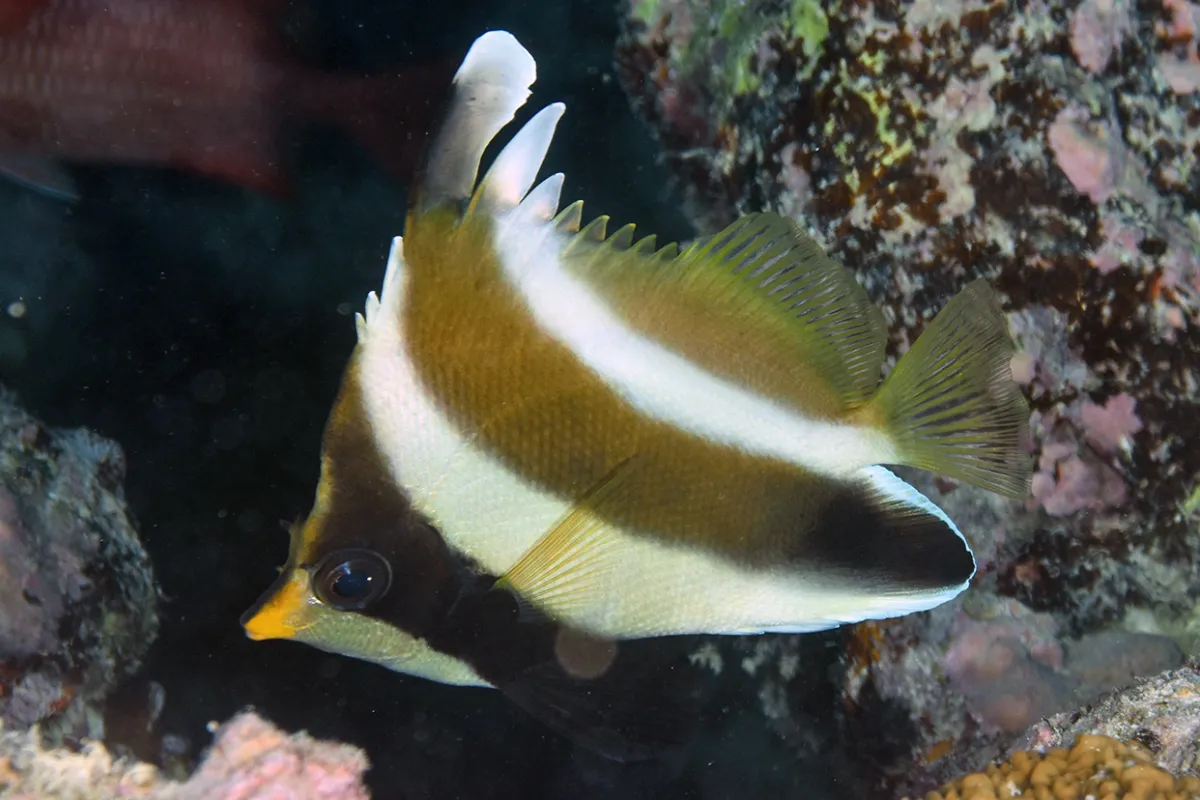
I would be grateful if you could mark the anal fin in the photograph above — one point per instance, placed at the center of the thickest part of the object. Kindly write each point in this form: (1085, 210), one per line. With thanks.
(39, 173)
(871, 547)
(895, 542)
(635, 710)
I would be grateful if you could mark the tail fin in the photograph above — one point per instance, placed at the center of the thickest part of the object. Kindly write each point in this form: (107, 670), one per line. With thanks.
(951, 405)
(390, 114)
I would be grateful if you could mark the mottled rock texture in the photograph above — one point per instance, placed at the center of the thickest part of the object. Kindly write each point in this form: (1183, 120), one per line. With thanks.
(1051, 147)
(249, 759)
(1089, 766)
(77, 597)
(1163, 713)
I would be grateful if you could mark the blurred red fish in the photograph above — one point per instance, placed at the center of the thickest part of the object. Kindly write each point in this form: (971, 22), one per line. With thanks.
(201, 85)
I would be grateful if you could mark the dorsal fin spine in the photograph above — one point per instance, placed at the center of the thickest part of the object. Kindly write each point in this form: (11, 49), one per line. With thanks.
(623, 238)
(595, 231)
(492, 83)
(569, 218)
(645, 246)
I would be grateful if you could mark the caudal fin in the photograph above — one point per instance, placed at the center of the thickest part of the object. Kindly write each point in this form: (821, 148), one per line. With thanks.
(951, 405)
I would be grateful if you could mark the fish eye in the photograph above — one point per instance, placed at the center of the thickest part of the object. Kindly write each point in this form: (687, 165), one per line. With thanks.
(351, 580)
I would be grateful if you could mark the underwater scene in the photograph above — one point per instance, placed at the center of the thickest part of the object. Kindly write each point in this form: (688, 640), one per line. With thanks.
(680, 399)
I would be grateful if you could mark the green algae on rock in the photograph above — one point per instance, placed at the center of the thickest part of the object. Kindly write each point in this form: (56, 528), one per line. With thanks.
(1053, 149)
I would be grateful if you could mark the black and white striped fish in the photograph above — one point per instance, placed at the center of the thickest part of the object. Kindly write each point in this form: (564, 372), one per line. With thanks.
(548, 438)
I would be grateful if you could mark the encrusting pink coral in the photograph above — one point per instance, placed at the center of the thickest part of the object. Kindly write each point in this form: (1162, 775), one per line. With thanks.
(1085, 158)
(1097, 28)
(250, 759)
(1008, 666)
(1069, 480)
(1108, 427)
(253, 760)
(1182, 72)
(1120, 247)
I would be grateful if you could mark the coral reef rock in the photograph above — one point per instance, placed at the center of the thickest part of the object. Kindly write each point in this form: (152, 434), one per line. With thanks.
(249, 760)
(1162, 713)
(1094, 766)
(77, 596)
(1054, 149)
(1138, 743)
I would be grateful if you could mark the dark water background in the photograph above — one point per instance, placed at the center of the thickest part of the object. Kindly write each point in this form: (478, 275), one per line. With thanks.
(205, 329)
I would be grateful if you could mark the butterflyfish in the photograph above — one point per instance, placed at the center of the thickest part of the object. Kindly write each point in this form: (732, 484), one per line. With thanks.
(549, 439)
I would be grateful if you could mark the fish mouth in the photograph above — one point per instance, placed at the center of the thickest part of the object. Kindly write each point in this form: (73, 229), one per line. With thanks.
(268, 617)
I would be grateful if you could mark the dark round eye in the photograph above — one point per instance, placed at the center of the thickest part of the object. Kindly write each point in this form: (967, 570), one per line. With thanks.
(351, 580)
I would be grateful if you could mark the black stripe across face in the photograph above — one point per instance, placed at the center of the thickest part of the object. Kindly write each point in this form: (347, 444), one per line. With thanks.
(370, 551)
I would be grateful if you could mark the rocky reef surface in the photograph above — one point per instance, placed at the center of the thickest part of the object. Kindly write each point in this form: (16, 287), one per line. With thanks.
(1051, 147)
(1162, 713)
(1138, 743)
(249, 759)
(78, 601)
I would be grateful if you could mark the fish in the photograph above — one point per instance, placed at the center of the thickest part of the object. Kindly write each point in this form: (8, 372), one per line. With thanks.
(550, 441)
(198, 85)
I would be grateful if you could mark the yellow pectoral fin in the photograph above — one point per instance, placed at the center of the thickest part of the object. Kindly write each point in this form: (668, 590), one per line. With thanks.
(563, 574)
(282, 610)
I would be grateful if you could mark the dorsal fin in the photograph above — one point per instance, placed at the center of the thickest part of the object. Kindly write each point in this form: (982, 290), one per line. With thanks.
(492, 83)
(569, 219)
(542, 203)
(766, 299)
(514, 170)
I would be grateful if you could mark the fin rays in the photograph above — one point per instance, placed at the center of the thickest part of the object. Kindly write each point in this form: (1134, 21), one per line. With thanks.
(835, 324)
(512, 173)
(567, 567)
(780, 294)
(951, 404)
(492, 83)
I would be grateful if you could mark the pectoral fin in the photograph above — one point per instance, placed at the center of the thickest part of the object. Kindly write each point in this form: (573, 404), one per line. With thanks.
(564, 573)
